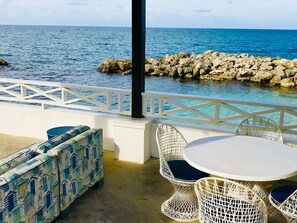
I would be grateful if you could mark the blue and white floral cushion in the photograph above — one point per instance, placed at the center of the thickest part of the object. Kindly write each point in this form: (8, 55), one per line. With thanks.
(80, 164)
(30, 192)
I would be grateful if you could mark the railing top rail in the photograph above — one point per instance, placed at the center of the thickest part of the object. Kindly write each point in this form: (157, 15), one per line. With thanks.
(62, 85)
(234, 101)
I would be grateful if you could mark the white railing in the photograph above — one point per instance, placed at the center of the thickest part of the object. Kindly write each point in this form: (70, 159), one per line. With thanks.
(71, 96)
(216, 112)
(181, 108)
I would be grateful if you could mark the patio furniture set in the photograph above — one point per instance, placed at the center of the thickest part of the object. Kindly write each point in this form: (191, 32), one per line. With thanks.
(218, 179)
(40, 182)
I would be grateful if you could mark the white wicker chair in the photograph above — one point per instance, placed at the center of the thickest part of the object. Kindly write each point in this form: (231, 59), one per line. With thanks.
(182, 205)
(260, 127)
(225, 201)
(284, 199)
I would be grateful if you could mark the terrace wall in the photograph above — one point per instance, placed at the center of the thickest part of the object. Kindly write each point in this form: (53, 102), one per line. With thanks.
(131, 139)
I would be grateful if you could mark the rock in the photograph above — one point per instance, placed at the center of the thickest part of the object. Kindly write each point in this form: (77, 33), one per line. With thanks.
(202, 72)
(205, 77)
(127, 72)
(291, 72)
(229, 75)
(124, 65)
(267, 59)
(196, 72)
(275, 80)
(208, 52)
(290, 65)
(244, 55)
(3, 62)
(180, 71)
(184, 62)
(217, 78)
(167, 59)
(280, 71)
(148, 68)
(242, 78)
(183, 55)
(294, 61)
(157, 71)
(149, 60)
(244, 75)
(280, 62)
(199, 64)
(266, 67)
(173, 72)
(287, 82)
(188, 76)
(255, 67)
(262, 77)
(109, 66)
(216, 62)
(188, 70)
(295, 79)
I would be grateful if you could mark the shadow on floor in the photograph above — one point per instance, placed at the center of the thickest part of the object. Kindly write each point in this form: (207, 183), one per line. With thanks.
(131, 193)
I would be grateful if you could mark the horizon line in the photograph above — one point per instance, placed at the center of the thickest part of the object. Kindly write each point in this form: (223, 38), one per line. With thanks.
(98, 26)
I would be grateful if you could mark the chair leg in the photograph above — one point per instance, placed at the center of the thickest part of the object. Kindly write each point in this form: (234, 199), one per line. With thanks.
(182, 206)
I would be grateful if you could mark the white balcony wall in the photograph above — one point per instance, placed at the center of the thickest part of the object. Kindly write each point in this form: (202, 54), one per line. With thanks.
(33, 121)
(132, 139)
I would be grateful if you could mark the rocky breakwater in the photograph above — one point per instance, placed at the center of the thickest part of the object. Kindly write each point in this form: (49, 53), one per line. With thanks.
(3, 62)
(214, 66)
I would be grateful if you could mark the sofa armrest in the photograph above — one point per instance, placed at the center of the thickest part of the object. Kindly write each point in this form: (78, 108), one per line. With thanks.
(17, 158)
(30, 192)
(80, 164)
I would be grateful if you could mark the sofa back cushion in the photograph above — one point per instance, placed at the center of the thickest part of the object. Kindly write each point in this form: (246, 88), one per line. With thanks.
(17, 158)
(51, 143)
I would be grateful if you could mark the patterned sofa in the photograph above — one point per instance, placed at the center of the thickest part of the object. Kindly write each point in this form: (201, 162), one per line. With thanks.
(40, 182)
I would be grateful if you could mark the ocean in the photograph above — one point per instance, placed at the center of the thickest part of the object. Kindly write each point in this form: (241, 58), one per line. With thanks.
(72, 54)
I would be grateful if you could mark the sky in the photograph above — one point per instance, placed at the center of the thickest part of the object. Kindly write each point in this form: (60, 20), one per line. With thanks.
(259, 14)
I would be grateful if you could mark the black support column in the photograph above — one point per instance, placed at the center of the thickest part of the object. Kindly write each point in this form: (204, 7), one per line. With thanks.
(138, 56)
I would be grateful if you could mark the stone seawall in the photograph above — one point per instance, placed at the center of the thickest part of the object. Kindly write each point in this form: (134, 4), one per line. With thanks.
(214, 66)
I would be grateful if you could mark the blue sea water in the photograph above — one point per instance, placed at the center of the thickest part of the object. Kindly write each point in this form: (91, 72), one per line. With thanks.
(72, 54)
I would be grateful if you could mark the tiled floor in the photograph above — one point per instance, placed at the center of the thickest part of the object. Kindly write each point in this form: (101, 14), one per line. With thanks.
(131, 192)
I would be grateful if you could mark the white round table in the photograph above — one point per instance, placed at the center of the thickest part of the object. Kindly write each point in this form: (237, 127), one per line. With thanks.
(243, 158)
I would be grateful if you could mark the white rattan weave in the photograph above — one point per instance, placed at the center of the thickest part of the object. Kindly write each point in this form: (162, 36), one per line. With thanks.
(183, 204)
(288, 208)
(225, 201)
(260, 127)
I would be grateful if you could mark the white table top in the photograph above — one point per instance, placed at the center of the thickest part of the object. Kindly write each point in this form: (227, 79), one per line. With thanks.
(242, 158)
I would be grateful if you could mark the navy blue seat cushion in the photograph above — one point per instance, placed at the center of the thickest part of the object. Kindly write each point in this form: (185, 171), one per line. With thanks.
(184, 171)
(280, 194)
